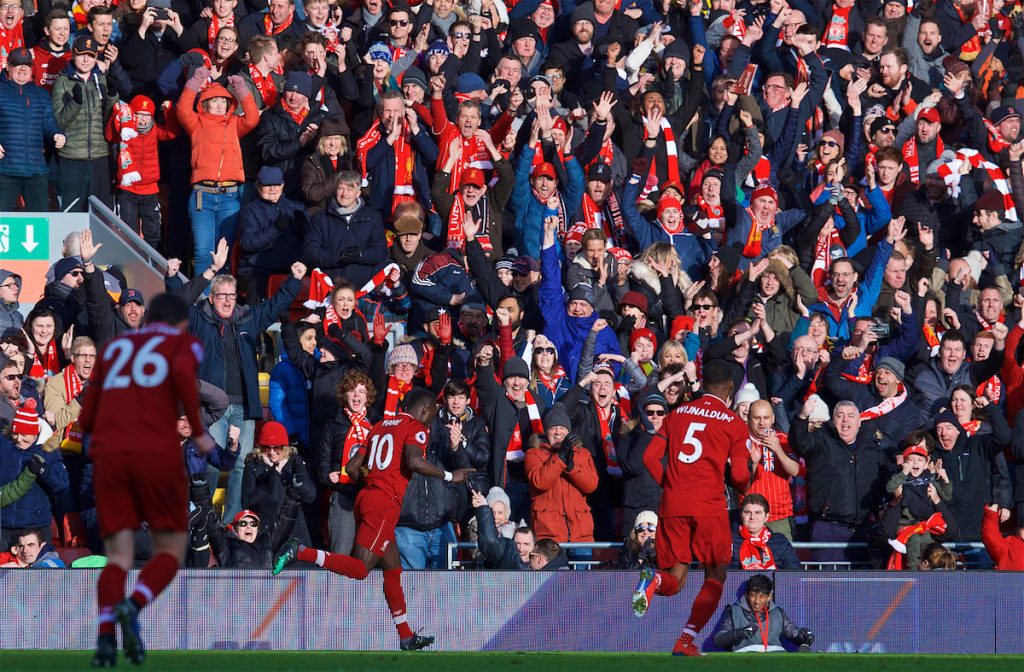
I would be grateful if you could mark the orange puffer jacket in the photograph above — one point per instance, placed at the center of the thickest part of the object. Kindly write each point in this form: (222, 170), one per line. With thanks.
(216, 153)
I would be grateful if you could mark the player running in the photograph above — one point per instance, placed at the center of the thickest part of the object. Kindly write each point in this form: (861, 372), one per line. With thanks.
(379, 504)
(700, 437)
(141, 383)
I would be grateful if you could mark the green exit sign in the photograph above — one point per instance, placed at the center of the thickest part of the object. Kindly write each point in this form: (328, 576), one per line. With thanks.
(24, 238)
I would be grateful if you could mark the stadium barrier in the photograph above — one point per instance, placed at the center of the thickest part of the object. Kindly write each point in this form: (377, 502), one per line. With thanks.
(870, 612)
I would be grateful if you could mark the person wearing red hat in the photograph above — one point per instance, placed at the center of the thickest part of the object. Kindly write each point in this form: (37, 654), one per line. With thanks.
(925, 146)
(924, 491)
(133, 125)
(761, 228)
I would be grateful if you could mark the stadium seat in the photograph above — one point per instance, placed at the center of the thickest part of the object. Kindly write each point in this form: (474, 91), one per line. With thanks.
(296, 310)
(264, 379)
(69, 555)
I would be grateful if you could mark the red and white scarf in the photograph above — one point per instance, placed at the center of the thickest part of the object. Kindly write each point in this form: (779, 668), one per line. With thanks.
(270, 29)
(671, 162)
(995, 138)
(265, 86)
(933, 336)
(216, 23)
(935, 525)
(913, 161)
(950, 173)
(605, 418)
(551, 381)
(991, 388)
(48, 364)
(404, 191)
(735, 25)
(754, 551)
(514, 452)
(358, 430)
(752, 248)
(396, 392)
(122, 119)
(837, 34)
(825, 250)
(885, 406)
(456, 218)
(708, 216)
(72, 439)
(613, 226)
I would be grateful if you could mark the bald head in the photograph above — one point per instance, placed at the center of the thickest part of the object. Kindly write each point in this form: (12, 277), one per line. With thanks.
(760, 418)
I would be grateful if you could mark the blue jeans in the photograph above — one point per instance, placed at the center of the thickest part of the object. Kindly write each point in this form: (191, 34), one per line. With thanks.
(218, 218)
(424, 550)
(234, 415)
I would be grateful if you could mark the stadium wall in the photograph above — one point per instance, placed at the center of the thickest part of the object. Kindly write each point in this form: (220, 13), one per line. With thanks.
(870, 612)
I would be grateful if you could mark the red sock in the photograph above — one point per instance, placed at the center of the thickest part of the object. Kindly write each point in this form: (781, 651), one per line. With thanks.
(156, 575)
(668, 584)
(344, 565)
(109, 591)
(395, 597)
(705, 604)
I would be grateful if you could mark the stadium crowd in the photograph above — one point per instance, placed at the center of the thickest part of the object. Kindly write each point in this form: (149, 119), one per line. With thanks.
(551, 215)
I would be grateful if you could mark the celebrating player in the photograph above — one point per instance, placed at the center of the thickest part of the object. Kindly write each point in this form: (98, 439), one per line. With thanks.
(379, 504)
(700, 437)
(138, 468)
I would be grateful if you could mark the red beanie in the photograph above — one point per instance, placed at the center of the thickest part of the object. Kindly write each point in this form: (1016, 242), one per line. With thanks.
(681, 323)
(669, 202)
(26, 420)
(272, 434)
(765, 189)
(642, 333)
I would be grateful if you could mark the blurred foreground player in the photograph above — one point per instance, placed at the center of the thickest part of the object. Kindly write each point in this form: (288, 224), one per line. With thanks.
(700, 437)
(142, 384)
(394, 449)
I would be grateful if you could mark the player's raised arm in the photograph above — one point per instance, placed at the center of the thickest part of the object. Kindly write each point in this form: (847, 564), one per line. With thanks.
(421, 405)
(413, 454)
(655, 453)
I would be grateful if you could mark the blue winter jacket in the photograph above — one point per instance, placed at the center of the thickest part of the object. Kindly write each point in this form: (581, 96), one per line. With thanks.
(246, 325)
(567, 333)
(872, 219)
(32, 510)
(785, 221)
(195, 462)
(26, 125)
(530, 213)
(288, 401)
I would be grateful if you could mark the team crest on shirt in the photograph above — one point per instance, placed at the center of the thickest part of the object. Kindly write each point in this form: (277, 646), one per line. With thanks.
(421, 437)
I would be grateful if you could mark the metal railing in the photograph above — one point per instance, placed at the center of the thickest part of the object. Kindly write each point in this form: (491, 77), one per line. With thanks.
(586, 563)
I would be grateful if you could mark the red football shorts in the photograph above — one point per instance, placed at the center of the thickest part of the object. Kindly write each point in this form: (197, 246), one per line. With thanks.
(376, 516)
(131, 490)
(680, 539)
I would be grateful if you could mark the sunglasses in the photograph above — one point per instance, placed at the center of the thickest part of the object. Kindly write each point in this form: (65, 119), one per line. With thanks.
(646, 528)
(10, 378)
(461, 36)
(830, 143)
(888, 130)
(545, 351)
(77, 274)
(402, 23)
(703, 306)
(656, 412)
(248, 523)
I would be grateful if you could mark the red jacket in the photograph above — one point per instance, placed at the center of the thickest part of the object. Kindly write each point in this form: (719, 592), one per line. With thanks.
(145, 159)
(1007, 552)
(559, 497)
(216, 153)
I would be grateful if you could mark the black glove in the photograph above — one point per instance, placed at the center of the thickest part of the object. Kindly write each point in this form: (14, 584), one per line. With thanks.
(351, 254)
(747, 632)
(197, 520)
(805, 636)
(76, 94)
(295, 487)
(281, 223)
(37, 465)
(199, 491)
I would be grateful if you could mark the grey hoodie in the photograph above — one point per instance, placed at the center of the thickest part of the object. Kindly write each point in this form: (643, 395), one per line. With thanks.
(10, 318)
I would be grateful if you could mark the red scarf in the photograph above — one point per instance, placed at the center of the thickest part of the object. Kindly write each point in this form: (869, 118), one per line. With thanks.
(266, 86)
(935, 524)
(971, 427)
(80, 15)
(604, 416)
(72, 439)
(605, 154)
(356, 435)
(864, 373)
(270, 29)
(215, 26)
(838, 32)
(823, 256)
(752, 248)
(754, 551)
(297, 117)
(714, 214)
(885, 406)
(995, 138)
(396, 392)
(991, 388)
(48, 365)
(403, 163)
(913, 161)
(514, 452)
(9, 41)
(933, 336)
(671, 163)
(456, 234)
(551, 381)
(971, 47)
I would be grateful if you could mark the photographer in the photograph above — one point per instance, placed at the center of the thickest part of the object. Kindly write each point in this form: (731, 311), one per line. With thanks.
(755, 624)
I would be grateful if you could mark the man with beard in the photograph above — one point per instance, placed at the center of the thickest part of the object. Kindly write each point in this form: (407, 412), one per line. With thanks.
(925, 145)
(577, 54)
(895, 85)
(925, 54)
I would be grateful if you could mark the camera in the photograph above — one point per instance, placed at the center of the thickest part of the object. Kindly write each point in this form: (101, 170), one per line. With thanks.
(880, 329)
(160, 9)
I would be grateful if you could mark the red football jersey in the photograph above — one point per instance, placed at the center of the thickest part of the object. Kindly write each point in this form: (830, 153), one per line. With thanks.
(140, 386)
(46, 66)
(699, 437)
(385, 446)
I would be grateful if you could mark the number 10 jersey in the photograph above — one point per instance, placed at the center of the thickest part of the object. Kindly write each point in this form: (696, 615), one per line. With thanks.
(385, 446)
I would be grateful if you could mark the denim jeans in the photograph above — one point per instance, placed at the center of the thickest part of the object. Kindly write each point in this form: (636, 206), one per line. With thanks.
(234, 415)
(424, 550)
(218, 218)
(33, 189)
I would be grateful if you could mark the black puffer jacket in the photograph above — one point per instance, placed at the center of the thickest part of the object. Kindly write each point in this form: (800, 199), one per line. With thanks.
(265, 490)
(845, 482)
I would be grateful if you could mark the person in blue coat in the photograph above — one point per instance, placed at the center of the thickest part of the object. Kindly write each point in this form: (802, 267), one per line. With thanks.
(27, 124)
(271, 227)
(18, 444)
(773, 225)
(289, 389)
(537, 189)
(569, 317)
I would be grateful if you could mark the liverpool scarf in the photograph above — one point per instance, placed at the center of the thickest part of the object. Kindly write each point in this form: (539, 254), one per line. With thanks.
(754, 551)
(514, 452)
(395, 393)
(605, 417)
(671, 162)
(270, 29)
(265, 86)
(912, 160)
(752, 248)
(935, 524)
(47, 365)
(216, 23)
(885, 406)
(71, 440)
(950, 173)
(354, 438)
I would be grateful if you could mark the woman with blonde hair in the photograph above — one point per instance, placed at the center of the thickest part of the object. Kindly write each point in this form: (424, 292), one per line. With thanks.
(332, 156)
(272, 470)
(548, 380)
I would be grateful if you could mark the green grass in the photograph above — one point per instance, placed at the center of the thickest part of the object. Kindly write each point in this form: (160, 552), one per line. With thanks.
(361, 661)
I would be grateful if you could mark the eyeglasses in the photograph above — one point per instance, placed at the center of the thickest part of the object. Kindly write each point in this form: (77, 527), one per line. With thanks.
(837, 274)
(656, 412)
(223, 296)
(11, 377)
(227, 40)
(9, 8)
(544, 351)
(401, 23)
(830, 143)
(556, 75)
(888, 130)
(248, 523)
(702, 306)
(776, 87)
(646, 528)
(461, 36)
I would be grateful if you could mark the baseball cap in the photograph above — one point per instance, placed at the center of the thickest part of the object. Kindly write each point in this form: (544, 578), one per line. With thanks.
(130, 296)
(472, 176)
(600, 171)
(546, 169)
(270, 175)
(20, 56)
(245, 513)
(916, 449)
(1002, 113)
(85, 44)
(929, 114)
(524, 264)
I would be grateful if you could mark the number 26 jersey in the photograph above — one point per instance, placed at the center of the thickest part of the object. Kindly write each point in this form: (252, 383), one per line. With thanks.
(700, 437)
(385, 450)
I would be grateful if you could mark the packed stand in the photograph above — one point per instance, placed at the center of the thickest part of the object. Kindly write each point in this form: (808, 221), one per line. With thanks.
(552, 216)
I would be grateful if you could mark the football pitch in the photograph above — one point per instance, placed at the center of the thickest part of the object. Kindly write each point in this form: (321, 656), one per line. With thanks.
(377, 661)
